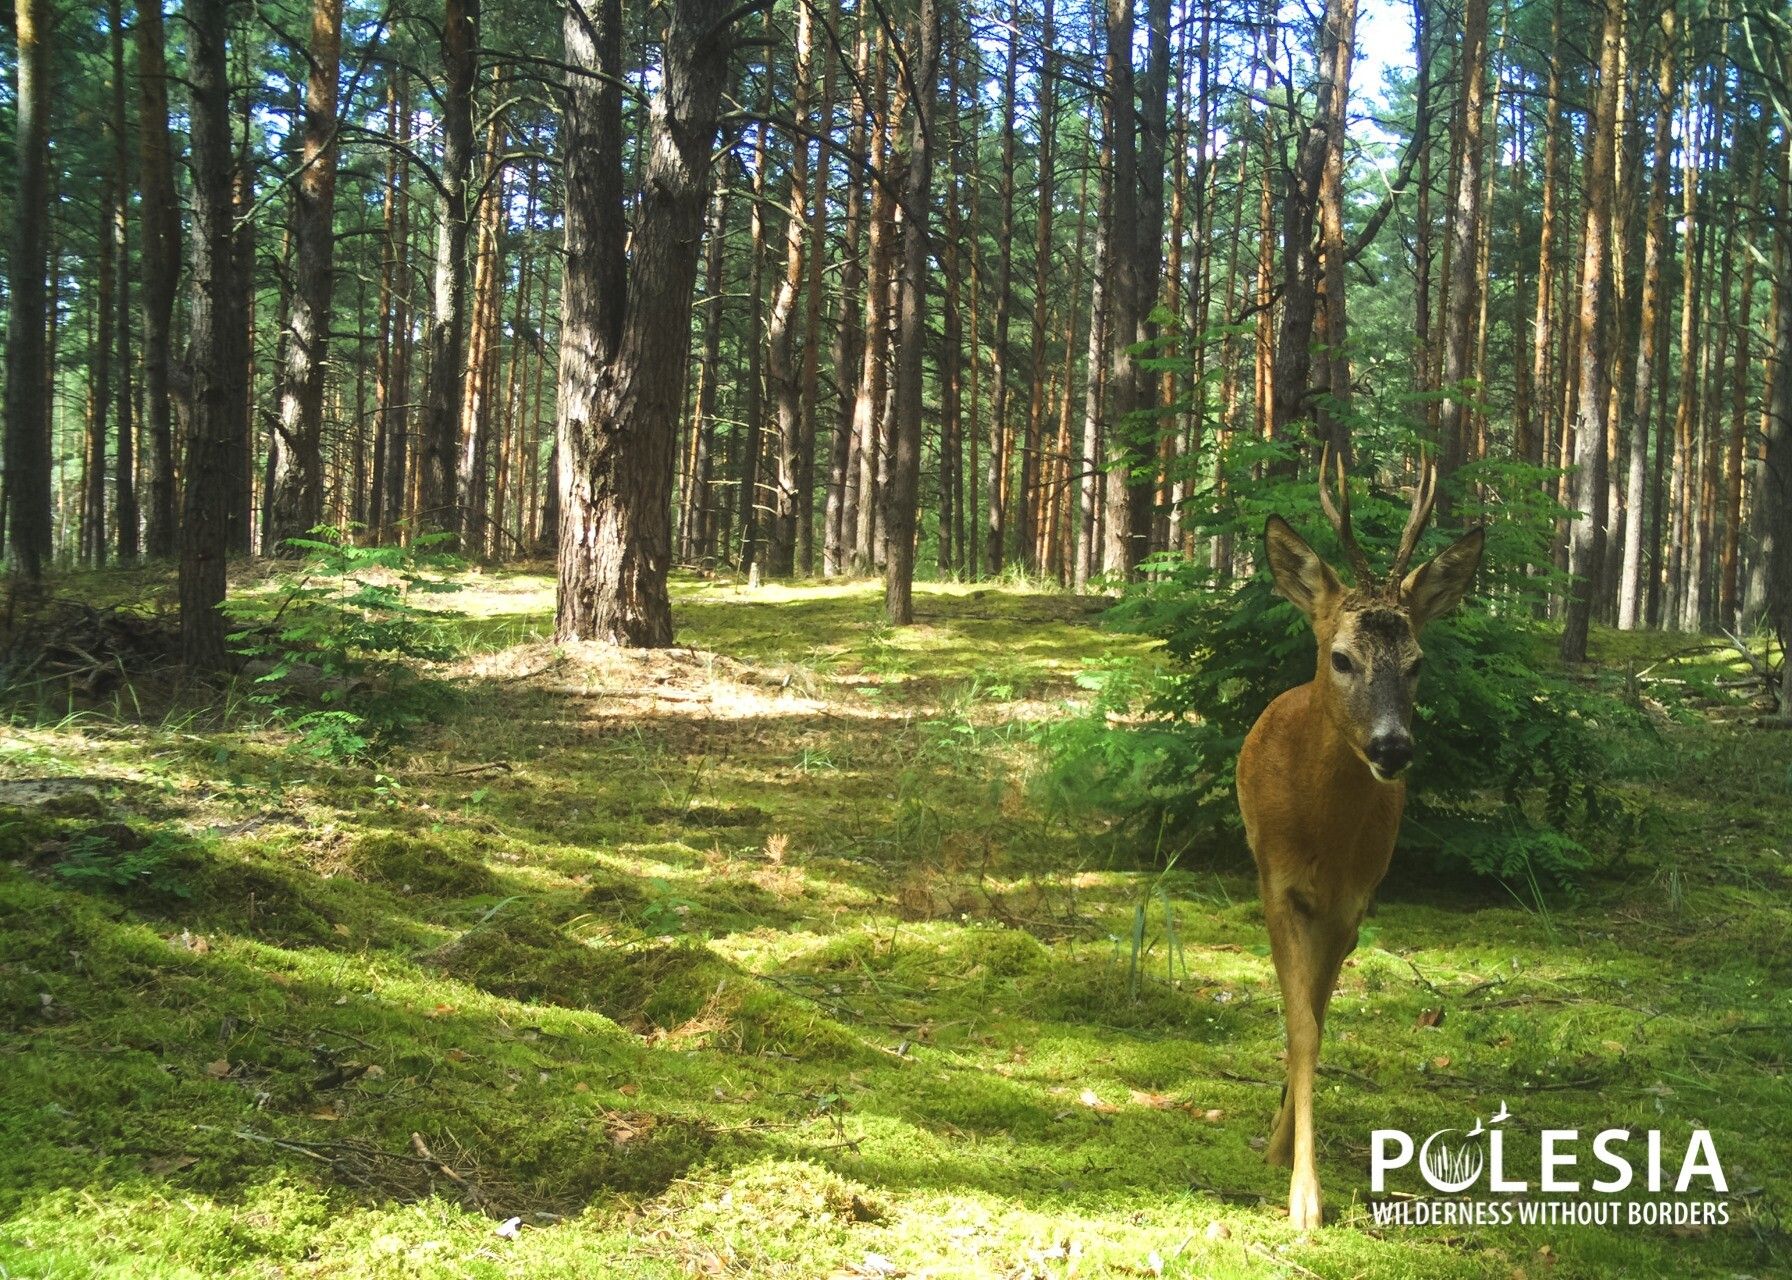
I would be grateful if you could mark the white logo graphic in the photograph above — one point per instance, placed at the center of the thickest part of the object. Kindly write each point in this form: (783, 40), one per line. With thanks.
(1455, 1161)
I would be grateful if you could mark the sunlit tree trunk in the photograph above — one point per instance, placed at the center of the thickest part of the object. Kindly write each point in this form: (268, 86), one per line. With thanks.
(626, 320)
(911, 320)
(1587, 530)
(437, 502)
(1630, 584)
(996, 549)
(296, 497)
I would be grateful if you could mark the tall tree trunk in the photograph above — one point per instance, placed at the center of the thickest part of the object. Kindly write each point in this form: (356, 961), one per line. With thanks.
(1730, 599)
(1775, 495)
(1690, 253)
(753, 450)
(161, 275)
(1542, 337)
(479, 387)
(624, 349)
(127, 515)
(217, 363)
(438, 503)
(783, 374)
(240, 465)
(1126, 301)
(698, 542)
(296, 497)
(99, 390)
(838, 518)
(1630, 573)
(917, 194)
(1026, 538)
(27, 445)
(1334, 408)
(1455, 421)
(810, 398)
(996, 549)
(1586, 546)
(1421, 44)
(868, 409)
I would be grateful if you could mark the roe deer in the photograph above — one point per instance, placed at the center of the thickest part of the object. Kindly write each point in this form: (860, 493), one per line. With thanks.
(1319, 778)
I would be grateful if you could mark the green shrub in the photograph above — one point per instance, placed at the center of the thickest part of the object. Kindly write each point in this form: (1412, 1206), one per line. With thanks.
(1514, 757)
(343, 623)
(114, 856)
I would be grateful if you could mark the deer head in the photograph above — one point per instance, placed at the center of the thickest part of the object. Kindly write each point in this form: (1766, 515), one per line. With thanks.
(1369, 655)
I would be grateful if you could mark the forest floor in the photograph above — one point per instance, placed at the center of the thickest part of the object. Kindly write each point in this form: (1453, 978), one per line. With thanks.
(771, 957)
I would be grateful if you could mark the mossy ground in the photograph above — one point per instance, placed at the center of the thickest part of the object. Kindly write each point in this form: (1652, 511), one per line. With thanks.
(763, 958)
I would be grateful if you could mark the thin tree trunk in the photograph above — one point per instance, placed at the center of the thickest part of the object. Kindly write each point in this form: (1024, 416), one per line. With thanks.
(27, 360)
(296, 497)
(917, 193)
(996, 549)
(754, 411)
(1455, 419)
(1689, 335)
(217, 362)
(1630, 585)
(1026, 533)
(126, 515)
(1729, 602)
(698, 517)
(839, 516)
(783, 374)
(99, 390)
(1587, 531)
(161, 274)
(438, 503)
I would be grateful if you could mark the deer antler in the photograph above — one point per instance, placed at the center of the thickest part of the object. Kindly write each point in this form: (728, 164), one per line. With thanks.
(1424, 494)
(1339, 514)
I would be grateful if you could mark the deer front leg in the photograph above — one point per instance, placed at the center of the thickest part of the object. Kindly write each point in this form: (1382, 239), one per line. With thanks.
(1299, 963)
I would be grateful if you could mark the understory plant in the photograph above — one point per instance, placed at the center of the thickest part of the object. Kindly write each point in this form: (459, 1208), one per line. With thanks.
(1515, 757)
(338, 645)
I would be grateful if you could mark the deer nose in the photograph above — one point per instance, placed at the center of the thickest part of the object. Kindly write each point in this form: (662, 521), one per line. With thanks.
(1389, 752)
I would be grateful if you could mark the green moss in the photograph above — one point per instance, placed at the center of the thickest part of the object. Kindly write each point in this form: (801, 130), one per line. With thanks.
(420, 864)
(696, 994)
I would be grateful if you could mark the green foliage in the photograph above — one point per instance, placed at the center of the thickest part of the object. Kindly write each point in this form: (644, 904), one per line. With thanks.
(1514, 757)
(346, 627)
(119, 858)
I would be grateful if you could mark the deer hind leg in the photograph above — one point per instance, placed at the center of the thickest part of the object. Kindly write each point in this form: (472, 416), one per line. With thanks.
(1308, 950)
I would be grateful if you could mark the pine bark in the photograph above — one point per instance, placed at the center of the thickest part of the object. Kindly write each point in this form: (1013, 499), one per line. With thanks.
(1587, 531)
(217, 361)
(624, 348)
(27, 445)
(296, 496)
(1464, 285)
(996, 548)
(911, 320)
(1630, 573)
(437, 502)
(127, 515)
(160, 217)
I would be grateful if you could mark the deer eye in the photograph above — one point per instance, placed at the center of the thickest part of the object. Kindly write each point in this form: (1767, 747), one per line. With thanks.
(1341, 662)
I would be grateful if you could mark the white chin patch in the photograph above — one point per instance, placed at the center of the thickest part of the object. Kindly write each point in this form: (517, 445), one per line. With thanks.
(1379, 774)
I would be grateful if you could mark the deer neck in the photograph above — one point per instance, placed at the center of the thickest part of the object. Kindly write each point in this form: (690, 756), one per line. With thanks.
(1333, 766)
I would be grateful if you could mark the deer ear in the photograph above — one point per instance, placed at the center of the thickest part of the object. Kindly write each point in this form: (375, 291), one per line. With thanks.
(1301, 577)
(1438, 585)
